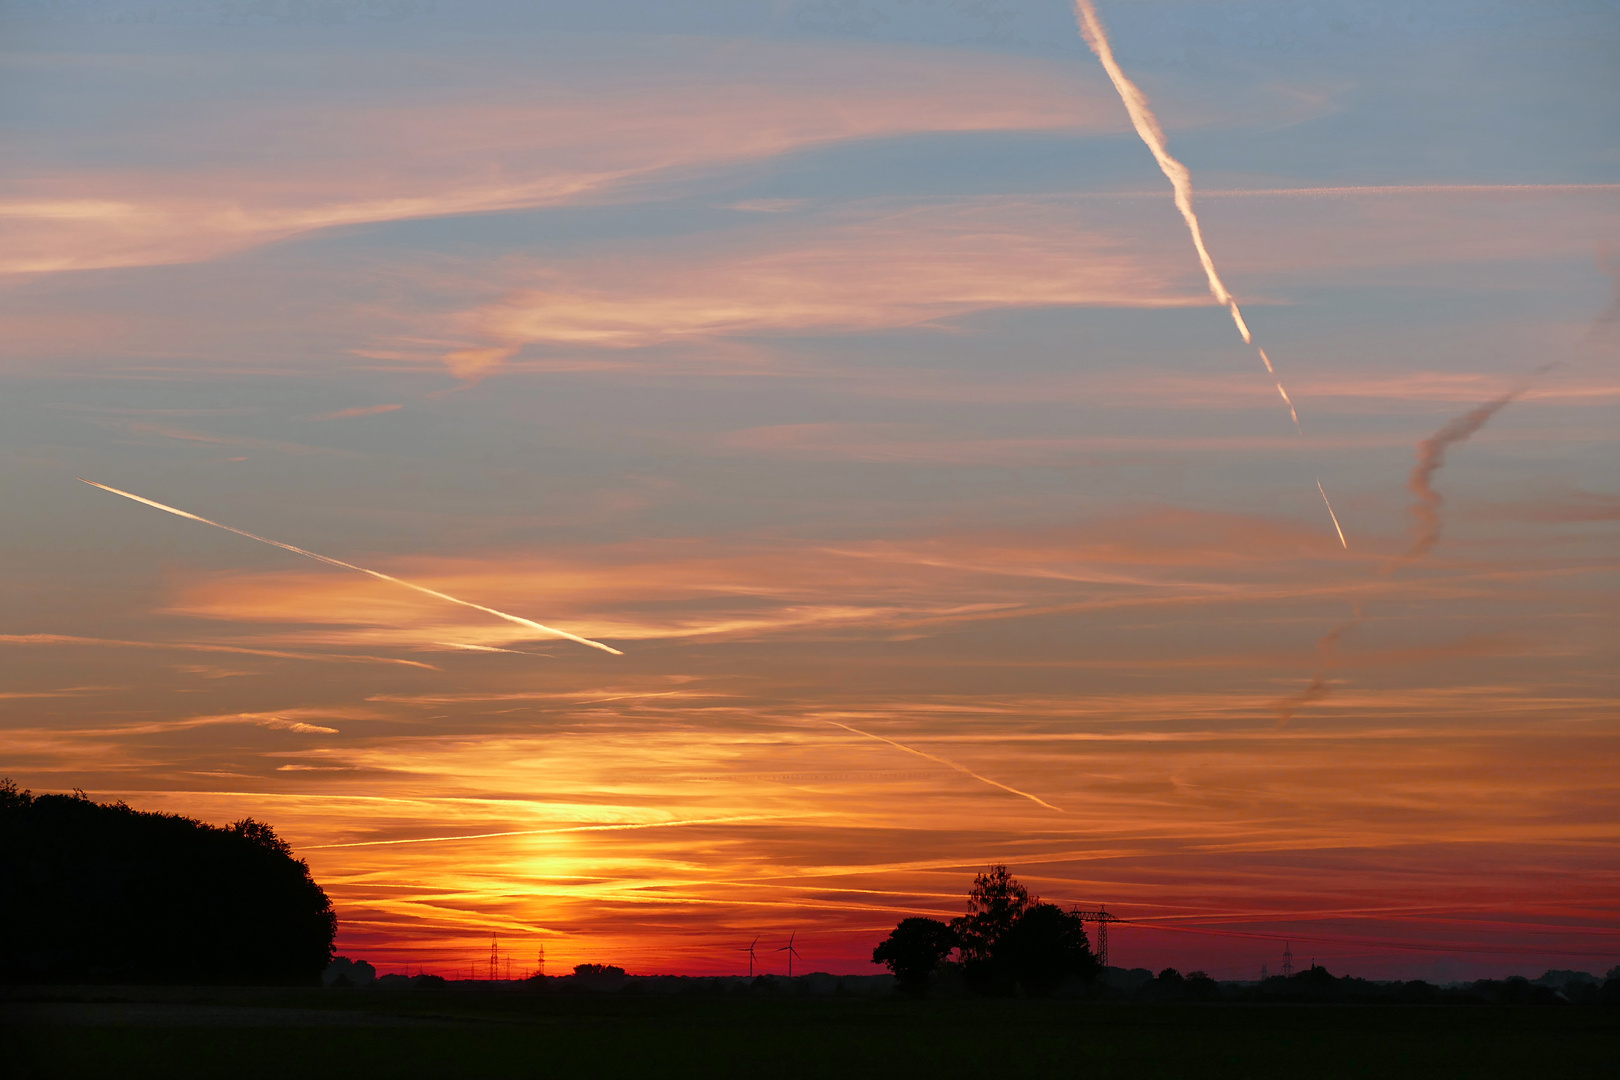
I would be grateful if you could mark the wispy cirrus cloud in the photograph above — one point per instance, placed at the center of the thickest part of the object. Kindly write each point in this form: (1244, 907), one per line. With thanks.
(740, 589)
(486, 137)
(203, 646)
(886, 264)
(858, 269)
(797, 822)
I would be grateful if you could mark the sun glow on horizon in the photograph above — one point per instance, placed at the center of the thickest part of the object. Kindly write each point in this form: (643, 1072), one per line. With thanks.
(852, 382)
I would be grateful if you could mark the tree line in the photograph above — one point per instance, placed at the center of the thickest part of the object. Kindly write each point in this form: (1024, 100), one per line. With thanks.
(101, 893)
(1009, 942)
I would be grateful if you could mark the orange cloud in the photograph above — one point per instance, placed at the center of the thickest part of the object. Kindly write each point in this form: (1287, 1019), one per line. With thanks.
(653, 845)
(883, 265)
(862, 268)
(195, 646)
(744, 589)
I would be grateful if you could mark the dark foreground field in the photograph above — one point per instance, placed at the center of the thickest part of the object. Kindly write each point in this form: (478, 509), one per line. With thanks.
(245, 1033)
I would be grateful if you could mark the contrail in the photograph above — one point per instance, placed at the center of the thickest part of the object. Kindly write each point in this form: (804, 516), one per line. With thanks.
(1327, 651)
(1294, 416)
(336, 658)
(950, 765)
(379, 575)
(1342, 541)
(1147, 126)
(490, 648)
(1431, 454)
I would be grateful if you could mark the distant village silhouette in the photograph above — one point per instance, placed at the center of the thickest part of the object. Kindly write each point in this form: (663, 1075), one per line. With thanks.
(98, 893)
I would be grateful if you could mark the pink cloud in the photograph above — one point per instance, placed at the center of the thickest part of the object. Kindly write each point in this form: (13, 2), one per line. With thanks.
(491, 143)
(866, 267)
(358, 410)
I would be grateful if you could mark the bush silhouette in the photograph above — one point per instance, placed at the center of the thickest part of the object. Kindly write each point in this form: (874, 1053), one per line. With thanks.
(102, 893)
(913, 950)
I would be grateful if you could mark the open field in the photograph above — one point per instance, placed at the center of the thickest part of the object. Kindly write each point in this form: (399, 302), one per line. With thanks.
(175, 1032)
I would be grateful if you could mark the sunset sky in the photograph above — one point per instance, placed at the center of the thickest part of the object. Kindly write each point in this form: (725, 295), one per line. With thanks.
(847, 366)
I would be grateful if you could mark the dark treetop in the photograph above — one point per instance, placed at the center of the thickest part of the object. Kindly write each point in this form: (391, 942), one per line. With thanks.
(1008, 942)
(103, 893)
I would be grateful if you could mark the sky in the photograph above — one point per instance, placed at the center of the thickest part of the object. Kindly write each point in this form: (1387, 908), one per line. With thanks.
(847, 367)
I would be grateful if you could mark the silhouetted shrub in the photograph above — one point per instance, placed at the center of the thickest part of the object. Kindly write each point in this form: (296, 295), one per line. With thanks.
(913, 950)
(1416, 992)
(343, 972)
(1517, 990)
(1168, 985)
(103, 893)
(597, 977)
(1201, 987)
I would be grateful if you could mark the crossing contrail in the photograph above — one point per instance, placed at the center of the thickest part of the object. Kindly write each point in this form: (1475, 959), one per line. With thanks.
(1147, 126)
(964, 770)
(379, 575)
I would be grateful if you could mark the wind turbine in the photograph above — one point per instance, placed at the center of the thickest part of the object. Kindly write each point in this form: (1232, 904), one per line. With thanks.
(791, 951)
(750, 952)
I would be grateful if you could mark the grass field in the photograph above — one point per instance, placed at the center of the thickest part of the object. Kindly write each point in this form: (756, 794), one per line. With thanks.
(242, 1033)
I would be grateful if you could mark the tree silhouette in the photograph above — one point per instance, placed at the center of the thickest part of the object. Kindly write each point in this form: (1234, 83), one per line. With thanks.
(913, 950)
(1009, 939)
(103, 893)
(1046, 947)
(1201, 986)
(994, 904)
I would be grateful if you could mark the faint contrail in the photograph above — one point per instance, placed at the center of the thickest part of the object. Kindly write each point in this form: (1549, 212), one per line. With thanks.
(490, 648)
(965, 771)
(1327, 651)
(336, 658)
(1147, 126)
(1431, 454)
(379, 575)
(621, 827)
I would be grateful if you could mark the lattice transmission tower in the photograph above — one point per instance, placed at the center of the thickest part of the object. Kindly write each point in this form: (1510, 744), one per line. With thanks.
(1102, 918)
